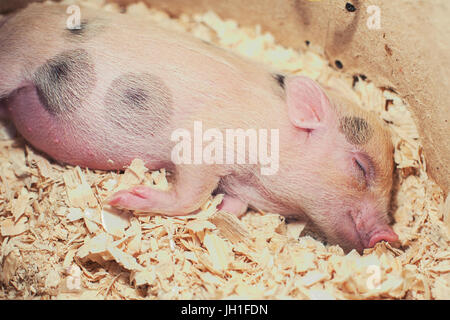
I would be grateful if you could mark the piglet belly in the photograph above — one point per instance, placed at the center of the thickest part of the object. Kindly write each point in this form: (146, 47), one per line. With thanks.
(68, 140)
(46, 133)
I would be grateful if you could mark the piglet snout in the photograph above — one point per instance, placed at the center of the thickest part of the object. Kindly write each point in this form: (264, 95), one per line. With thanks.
(372, 228)
(383, 234)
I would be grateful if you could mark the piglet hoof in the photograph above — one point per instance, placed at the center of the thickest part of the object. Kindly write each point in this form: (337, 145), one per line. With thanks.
(233, 205)
(140, 198)
(145, 199)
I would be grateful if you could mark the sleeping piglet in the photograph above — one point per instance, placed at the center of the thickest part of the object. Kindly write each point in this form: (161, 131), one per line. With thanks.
(116, 88)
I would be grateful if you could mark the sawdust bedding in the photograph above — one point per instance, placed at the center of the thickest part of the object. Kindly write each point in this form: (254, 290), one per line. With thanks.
(59, 241)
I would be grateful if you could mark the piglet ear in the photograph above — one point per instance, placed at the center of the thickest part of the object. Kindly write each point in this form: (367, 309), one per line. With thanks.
(306, 102)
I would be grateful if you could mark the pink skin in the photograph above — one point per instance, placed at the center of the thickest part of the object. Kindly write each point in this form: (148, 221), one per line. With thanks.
(318, 178)
(233, 205)
(62, 140)
(41, 130)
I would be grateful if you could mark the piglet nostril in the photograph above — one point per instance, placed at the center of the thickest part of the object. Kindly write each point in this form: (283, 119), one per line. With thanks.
(385, 234)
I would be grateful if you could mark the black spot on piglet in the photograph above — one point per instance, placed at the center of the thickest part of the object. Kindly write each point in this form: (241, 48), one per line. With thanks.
(280, 79)
(65, 81)
(356, 130)
(139, 102)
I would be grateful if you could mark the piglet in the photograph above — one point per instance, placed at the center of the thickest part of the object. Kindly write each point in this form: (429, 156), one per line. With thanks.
(116, 88)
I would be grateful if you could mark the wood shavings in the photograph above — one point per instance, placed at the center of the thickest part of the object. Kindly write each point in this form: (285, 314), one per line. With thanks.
(20, 204)
(17, 159)
(219, 251)
(125, 260)
(144, 277)
(9, 228)
(74, 214)
(304, 261)
(198, 226)
(313, 277)
(59, 241)
(133, 175)
(9, 265)
(231, 228)
(115, 221)
(79, 193)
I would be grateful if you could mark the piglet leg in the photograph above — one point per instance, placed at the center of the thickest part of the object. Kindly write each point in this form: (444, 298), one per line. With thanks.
(233, 205)
(193, 185)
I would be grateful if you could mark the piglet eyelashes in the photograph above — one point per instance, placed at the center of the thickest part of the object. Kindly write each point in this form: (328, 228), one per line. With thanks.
(364, 165)
(361, 167)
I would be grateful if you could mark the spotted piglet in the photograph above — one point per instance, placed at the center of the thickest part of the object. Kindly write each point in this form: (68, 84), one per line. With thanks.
(118, 88)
